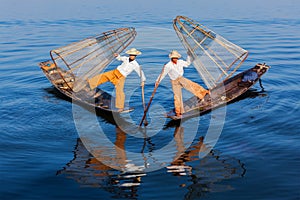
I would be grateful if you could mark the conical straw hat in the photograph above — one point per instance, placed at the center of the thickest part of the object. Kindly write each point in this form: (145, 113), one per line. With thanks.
(174, 54)
(133, 51)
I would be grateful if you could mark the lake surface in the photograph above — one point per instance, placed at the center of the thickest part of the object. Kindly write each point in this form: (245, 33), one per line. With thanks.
(53, 149)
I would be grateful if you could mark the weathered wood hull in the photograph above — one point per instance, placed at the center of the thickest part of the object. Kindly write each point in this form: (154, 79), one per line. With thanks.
(222, 94)
(91, 99)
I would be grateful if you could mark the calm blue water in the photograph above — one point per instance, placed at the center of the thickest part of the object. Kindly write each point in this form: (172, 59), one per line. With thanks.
(42, 138)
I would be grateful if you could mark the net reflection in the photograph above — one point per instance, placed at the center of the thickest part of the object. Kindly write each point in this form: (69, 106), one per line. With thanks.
(198, 176)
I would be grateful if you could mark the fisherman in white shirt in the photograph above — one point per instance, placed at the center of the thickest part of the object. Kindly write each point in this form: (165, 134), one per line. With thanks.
(118, 76)
(174, 68)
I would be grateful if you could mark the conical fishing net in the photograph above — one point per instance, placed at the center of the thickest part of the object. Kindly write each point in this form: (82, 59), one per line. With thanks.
(88, 57)
(215, 58)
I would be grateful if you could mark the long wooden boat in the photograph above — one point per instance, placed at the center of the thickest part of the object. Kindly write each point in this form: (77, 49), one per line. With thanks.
(216, 59)
(222, 94)
(72, 64)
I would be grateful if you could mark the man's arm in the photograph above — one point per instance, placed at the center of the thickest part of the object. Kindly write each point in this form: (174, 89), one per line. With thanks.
(120, 58)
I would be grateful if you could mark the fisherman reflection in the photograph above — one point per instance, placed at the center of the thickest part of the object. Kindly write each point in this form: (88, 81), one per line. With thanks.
(178, 165)
(88, 170)
(116, 158)
(205, 174)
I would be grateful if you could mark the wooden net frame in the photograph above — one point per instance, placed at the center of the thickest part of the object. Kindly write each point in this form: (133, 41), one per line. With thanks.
(214, 57)
(88, 57)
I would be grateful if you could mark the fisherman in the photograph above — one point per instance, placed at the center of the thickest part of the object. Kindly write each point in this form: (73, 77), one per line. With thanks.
(174, 68)
(118, 76)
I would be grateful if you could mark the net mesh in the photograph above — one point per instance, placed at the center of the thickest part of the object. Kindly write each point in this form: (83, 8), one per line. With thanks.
(88, 57)
(215, 58)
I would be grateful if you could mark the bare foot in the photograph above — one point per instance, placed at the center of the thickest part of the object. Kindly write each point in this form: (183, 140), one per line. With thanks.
(179, 115)
(120, 109)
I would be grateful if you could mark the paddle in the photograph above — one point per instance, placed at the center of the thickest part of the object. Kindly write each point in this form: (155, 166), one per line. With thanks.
(144, 106)
(143, 96)
(151, 98)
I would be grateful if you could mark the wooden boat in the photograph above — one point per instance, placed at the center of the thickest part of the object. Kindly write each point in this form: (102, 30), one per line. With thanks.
(222, 94)
(72, 64)
(216, 59)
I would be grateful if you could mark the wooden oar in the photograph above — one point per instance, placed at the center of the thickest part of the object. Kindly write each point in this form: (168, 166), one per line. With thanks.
(143, 96)
(151, 98)
(144, 106)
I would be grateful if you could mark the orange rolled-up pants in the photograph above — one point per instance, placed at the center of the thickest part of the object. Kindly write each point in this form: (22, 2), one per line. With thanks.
(116, 78)
(191, 86)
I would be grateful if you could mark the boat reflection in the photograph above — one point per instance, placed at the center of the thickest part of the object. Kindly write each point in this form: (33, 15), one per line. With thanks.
(199, 176)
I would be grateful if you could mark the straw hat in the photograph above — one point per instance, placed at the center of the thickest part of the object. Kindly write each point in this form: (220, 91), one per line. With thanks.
(174, 54)
(133, 51)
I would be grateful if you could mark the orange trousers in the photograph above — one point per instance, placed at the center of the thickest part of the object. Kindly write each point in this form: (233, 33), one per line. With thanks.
(191, 86)
(116, 78)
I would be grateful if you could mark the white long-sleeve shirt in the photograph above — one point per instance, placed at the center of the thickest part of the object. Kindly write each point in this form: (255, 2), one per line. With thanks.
(127, 67)
(175, 70)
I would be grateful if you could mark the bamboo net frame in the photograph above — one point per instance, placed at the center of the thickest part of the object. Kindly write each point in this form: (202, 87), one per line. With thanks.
(215, 58)
(88, 57)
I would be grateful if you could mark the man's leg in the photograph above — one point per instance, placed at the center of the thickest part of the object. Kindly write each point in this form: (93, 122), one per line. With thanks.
(100, 78)
(193, 87)
(178, 104)
(120, 96)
